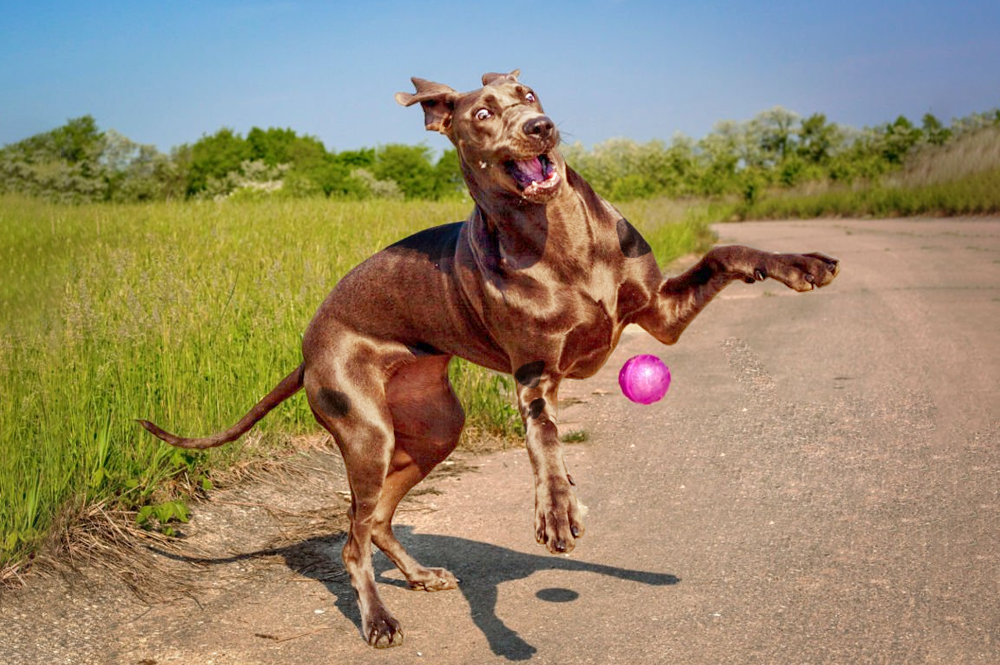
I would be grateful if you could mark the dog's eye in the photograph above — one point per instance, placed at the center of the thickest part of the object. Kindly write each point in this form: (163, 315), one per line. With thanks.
(530, 97)
(483, 114)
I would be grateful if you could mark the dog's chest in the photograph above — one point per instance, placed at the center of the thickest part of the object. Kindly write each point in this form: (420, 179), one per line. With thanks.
(588, 344)
(573, 328)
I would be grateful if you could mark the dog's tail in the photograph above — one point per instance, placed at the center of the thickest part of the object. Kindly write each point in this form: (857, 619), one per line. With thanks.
(290, 385)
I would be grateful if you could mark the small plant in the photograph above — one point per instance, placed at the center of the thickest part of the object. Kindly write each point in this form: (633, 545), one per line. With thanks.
(159, 516)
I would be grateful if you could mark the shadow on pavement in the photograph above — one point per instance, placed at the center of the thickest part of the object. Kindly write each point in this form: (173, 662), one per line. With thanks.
(482, 567)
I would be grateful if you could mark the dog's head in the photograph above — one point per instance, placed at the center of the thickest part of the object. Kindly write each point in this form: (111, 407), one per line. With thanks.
(506, 143)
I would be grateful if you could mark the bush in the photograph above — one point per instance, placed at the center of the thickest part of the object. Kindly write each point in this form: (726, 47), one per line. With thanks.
(776, 148)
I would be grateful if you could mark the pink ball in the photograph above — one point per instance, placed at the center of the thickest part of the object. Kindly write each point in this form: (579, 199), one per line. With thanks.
(644, 379)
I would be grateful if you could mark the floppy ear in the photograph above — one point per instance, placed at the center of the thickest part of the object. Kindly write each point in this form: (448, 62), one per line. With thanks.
(438, 101)
(493, 77)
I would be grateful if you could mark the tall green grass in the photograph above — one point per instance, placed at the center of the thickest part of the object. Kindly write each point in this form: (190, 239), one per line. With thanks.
(674, 228)
(183, 313)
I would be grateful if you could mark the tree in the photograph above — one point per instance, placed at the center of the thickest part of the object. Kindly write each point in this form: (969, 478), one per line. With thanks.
(133, 171)
(283, 146)
(817, 139)
(363, 158)
(682, 170)
(410, 167)
(79, 141)
(934, 131)
(216, 156)
(774, 132)
(63, 164)
(720, 151)
(79, 162)
(861, 156)
(448, 173)
(270, 146)
(897, 139)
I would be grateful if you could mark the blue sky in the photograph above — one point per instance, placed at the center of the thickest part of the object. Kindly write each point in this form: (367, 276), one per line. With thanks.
(168, 72)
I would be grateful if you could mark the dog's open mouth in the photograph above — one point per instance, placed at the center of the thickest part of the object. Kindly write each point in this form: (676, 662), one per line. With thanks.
(533, 176)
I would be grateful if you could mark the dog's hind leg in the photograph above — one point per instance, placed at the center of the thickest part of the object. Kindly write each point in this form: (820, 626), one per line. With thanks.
(427, 419)
(350, 404)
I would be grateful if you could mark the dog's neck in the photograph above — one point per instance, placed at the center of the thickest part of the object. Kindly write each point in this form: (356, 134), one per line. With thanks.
(520, 233)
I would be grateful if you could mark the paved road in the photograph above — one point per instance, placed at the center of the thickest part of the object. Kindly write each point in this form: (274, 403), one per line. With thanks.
(821, 485)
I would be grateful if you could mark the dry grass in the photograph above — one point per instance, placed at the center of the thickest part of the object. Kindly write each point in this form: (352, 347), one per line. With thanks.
(968, 155)
(100, 536)
(97, 537)
(961, 177)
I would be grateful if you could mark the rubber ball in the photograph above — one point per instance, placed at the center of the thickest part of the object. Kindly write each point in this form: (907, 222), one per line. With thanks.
(644, 379)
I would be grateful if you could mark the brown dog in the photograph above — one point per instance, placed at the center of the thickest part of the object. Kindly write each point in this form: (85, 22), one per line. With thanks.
(539, 281)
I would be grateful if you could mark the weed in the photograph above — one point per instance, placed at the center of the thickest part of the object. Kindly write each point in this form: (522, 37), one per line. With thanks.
(161, 515)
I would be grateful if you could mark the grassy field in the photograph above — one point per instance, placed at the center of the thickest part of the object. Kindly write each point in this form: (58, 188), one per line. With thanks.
(185, 313)
(958, 178)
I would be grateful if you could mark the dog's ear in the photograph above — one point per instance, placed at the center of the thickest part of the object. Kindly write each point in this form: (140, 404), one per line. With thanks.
(437, 100)
(492, 77)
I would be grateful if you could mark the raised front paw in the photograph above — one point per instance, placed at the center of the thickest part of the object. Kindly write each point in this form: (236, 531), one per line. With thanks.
(381, 630)
(558, 521)
(802, 272)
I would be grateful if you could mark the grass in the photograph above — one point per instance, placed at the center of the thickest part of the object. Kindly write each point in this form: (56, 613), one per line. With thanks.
(184, 313)
(959, 178)
(971, 195)
(969, 155)
(675, 228)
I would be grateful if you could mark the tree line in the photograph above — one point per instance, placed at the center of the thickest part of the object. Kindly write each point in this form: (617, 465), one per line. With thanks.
(79, 162)
(777, 148)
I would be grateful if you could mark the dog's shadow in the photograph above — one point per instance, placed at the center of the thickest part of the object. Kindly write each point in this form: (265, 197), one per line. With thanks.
(482, 567)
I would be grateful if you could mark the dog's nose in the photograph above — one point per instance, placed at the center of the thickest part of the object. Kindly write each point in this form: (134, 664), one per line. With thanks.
(540, 126)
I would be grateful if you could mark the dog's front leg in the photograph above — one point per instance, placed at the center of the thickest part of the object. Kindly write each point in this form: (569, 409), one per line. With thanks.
(558, 522)
(678, 300)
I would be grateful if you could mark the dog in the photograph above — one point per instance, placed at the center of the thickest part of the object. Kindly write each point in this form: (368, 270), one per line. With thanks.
(539, 282)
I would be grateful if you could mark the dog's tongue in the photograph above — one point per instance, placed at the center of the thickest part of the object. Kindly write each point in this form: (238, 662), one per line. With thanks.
(532, 169)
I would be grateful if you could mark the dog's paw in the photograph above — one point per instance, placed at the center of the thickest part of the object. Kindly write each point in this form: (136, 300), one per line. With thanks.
(381, 630)
(433, 579)
(558, 520)
(802, 272)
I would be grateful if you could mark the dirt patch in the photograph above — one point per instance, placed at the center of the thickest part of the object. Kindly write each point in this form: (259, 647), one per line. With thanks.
(285, 524)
